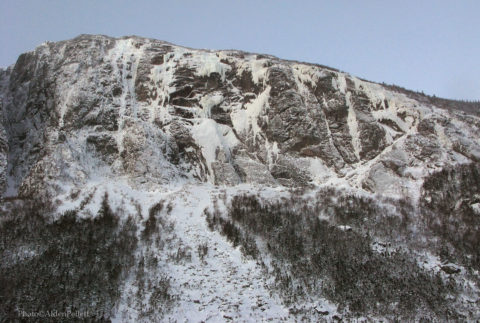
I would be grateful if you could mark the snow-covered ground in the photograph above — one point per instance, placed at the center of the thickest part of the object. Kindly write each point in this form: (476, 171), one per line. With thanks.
(222, 286)
(225, 285)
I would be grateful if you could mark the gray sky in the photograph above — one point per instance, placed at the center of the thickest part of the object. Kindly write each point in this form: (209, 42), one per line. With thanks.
(429, 45)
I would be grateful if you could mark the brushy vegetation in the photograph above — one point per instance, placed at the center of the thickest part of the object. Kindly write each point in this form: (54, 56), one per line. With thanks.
(314, 257)
(153, 297)
(151, 225)
(447, 200)
(471, 107)
(67, 265)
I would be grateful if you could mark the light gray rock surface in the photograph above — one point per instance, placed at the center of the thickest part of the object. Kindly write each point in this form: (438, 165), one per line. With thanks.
(156, 112)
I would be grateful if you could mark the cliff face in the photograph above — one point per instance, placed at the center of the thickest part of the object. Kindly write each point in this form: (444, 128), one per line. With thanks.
(154, 112)
(201, 152)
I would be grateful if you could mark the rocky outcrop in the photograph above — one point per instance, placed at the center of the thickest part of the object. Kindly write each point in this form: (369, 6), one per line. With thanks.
(111, 138)
(156, 112)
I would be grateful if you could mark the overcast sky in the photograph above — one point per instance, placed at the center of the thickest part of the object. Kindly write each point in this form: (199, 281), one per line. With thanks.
(429, 45)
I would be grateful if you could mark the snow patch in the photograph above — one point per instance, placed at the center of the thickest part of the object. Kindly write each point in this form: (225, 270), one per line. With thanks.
(307, 74)
(245, 119)
(353, 127)
(319, 172)
(208, 63)
(258, 68)
(476, 208)
(391, 115)
(442, 137)
(340, 83)
(272, 152)
(213, 137)
(209, 101)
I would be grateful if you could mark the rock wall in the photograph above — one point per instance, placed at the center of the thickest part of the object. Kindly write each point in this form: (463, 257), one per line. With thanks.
(151, 111)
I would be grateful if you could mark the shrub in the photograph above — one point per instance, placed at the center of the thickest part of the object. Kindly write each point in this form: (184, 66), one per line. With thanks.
(151, 223)
(446, 204)
(72, 263)
(313, 257)
(202, 251)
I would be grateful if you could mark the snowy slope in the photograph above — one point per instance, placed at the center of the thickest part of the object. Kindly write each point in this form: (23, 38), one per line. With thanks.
(147, 121)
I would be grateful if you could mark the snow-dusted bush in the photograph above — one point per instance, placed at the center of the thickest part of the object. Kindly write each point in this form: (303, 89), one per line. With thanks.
(58, 265)
(314, 257)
